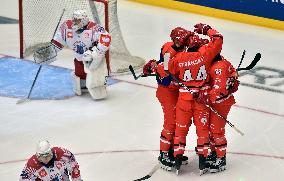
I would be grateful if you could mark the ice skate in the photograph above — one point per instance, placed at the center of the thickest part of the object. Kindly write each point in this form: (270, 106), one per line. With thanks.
(165, 162)
(178, 163)
(203, 166)
(219, 165)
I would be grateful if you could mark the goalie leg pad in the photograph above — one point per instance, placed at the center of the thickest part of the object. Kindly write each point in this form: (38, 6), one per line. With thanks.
(96, 81)
(77, 84)
(98, 92)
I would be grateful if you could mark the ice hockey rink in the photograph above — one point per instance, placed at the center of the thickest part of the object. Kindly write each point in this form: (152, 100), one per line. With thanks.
(117, 139)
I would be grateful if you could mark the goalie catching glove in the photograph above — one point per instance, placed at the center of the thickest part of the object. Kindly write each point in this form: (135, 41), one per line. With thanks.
(45, 54)
(92, 59)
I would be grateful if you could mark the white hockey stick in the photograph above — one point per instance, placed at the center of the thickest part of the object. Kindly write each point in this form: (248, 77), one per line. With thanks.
(28, 97)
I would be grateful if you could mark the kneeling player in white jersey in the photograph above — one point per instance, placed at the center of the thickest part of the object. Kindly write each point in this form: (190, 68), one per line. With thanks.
(89, 41)
(51, 163)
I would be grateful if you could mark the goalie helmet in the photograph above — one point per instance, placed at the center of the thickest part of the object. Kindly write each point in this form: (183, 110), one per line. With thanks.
(79, 19)
(43, 149)
(179, 35)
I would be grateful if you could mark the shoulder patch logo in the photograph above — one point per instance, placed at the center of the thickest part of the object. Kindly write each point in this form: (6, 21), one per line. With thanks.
(218, 71)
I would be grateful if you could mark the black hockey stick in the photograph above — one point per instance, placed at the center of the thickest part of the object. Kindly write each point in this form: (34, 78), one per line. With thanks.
(243, 55)
(149, 175)
(28, 97)
(141, 75)
(252, 64)
(166, 61)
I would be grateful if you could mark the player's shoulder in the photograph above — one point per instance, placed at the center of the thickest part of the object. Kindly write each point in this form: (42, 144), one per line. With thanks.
(91, 25)
(167, 45)
(33, 163)
(60, 152)
(95, 26)
(220, 61)
(67, 24)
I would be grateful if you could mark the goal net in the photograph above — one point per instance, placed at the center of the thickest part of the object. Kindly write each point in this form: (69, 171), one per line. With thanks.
(38, 20)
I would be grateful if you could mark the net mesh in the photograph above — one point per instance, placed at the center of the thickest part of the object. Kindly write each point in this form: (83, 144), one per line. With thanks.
(40, 19)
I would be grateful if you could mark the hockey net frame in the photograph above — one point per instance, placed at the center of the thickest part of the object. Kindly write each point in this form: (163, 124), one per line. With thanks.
(103, 12)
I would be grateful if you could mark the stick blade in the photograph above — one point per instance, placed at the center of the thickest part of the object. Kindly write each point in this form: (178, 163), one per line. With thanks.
(143, 178)
(22, 100)
(253, 63)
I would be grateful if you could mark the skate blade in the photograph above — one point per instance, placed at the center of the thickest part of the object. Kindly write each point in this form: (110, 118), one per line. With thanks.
(218, 170)
(201, 172)
(167, 168)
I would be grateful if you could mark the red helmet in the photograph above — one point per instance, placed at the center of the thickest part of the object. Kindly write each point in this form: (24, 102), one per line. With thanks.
(180, 35)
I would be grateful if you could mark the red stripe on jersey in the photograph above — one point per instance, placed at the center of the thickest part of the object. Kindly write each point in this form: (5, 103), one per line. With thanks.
(57, 44)
(90, 25)
(69, 24)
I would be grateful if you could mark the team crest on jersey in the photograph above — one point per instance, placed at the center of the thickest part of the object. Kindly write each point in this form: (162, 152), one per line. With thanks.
(69, 35)
(218, 71)
(79, 47)
(42, 173)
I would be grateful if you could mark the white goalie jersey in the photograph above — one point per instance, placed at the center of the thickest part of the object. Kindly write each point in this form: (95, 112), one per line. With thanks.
(92, 35)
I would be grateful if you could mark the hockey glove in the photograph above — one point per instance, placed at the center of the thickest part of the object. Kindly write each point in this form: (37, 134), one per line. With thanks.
(201, 28)
(203, 98)
(149, 67)
(234, 87)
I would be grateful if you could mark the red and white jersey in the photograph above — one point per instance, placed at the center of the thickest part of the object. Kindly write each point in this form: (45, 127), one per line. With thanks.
(193, 67)
(223, 75)
(93, 35)
(64, 165)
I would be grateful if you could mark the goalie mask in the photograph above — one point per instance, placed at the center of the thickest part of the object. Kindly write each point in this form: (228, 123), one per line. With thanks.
(80, 20)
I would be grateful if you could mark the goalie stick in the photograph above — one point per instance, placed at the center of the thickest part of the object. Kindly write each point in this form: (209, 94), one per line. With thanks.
(28, 97)
(141, 75)
(166, 61)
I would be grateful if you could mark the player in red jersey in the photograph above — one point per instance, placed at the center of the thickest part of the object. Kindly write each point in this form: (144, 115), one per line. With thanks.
(223, 84)
(192, 67)
(167, 94)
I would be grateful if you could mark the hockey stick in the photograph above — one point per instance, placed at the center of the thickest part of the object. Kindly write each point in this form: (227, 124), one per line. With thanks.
(28, 97)
(243, 55)
(149, 175)
(252, 64)
(166, 61)
(141, 75)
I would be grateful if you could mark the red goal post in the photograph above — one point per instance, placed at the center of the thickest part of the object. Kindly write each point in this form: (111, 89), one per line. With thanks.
(38, 20)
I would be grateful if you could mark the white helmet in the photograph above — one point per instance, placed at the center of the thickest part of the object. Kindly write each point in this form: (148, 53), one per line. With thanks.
(80, 19)
(43, 148)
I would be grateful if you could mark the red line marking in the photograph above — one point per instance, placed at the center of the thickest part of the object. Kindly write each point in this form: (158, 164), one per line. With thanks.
(137, 151)
(239, 106)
